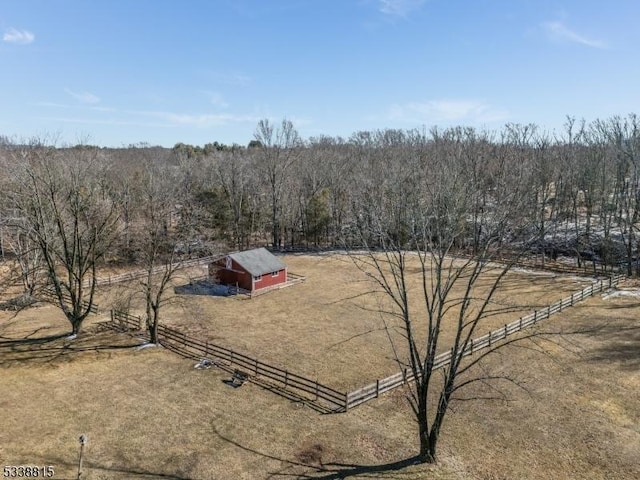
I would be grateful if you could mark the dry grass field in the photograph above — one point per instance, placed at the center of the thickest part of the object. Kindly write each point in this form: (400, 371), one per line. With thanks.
(328, 328)
(149, 414)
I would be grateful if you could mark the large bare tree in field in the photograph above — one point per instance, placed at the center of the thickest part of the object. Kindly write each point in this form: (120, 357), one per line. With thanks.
(65, 216)
(157, 239)
(279, 146)
(418, 229)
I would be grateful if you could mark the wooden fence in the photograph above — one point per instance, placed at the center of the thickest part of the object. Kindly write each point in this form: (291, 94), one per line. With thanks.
(124, 322)
(378, 387)
(50, 294)
(225, 357)
(125, 277)
(336, 400)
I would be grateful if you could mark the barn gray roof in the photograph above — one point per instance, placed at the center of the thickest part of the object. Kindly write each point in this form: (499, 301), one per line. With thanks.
(258, 261)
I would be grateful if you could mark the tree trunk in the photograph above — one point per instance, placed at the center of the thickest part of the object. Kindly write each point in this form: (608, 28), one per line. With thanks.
(427, 446)
(153, 332)
(75, 327)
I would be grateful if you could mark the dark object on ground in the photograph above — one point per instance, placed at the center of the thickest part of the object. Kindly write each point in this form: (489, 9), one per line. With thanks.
(203, 287)
(238, 379)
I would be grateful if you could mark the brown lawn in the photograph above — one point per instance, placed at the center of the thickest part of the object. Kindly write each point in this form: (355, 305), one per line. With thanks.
(329, 327)
(149, 414)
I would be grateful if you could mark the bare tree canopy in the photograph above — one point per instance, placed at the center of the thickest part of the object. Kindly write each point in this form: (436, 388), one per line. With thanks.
(65, 212)
(442, 215)
(280, 149)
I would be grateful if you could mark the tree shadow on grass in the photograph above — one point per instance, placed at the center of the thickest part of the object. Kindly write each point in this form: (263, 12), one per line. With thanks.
(612, 332)
(619, 344)
(50, 348)
(10, 343)
(304, 470)
(339, 471)
(137, 473)
(90, 468)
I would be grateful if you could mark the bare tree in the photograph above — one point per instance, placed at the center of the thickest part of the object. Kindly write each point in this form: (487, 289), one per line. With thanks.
(624, 137)
(233, 175)
(279, 147)
(157, 240)
(29, 261)
(416, 230)
(67, 216)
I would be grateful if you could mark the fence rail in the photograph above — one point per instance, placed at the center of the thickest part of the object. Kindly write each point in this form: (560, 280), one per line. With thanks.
(373, 390)
(125, 277)
(50, 294)
(177, 340)
(124, 322)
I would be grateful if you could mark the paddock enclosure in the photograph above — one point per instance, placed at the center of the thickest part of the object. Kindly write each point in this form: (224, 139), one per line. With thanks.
(329, 328)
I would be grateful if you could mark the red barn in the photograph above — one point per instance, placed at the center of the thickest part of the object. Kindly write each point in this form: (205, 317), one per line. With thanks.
(251, 270)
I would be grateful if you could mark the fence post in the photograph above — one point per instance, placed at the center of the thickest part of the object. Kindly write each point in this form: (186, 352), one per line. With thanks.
(572, 299)
(404, 375)
(472, 346)
(346, 402)
(286, 378)
(520, 324)
(316, 389)
(505, 331)
(535, 316)
(548, 311)
(377, 388)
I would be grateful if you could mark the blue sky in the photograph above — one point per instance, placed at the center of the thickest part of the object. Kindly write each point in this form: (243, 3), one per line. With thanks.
(160, 71)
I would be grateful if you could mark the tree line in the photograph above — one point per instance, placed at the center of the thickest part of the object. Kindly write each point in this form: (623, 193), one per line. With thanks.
(581, 193)
(583, 184)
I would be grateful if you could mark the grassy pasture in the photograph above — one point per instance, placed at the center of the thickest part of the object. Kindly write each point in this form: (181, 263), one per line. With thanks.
(329, 328)
(149, 415)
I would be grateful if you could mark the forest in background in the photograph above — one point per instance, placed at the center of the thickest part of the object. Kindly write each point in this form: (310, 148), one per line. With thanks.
(581, 189)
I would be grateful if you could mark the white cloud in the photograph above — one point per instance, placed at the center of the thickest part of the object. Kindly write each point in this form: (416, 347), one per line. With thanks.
(216, 99)
(399, 8)
(444, 110)
(559, 31)
(196, 120)
(94, 121)
(83, 97)
(21, 37)
(230, 78)
(50, 105)
(160, 119)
